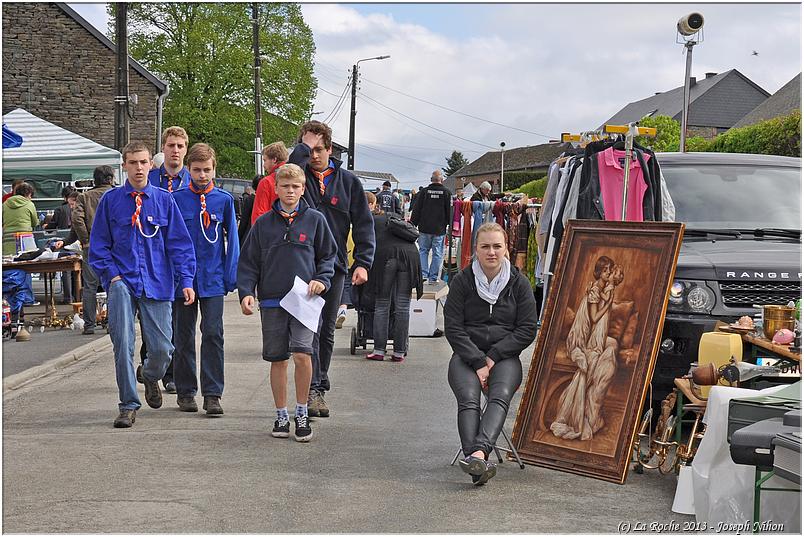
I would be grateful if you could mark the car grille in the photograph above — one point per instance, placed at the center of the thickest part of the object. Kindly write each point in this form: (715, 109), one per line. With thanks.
(746, 294)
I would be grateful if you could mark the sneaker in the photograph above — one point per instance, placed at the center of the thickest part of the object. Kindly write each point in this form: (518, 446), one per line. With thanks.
(281, 430)
(341, 319)
(125, 419)
(323, 409)
(170, 386)
(313, 410)
(473, 465)
(153, 395)
(491, 471)
(212, 404)
(88, 331)
(139, 374)
(187, 403)
(376, 357)
(303, 431)
(397, 357)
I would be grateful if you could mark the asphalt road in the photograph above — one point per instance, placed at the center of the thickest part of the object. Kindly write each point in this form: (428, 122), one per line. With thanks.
(379, 464)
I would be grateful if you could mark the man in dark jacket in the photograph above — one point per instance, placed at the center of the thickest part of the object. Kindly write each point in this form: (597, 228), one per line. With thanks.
(339, 195)
(83, 215)
(431, 216)
(387, 201)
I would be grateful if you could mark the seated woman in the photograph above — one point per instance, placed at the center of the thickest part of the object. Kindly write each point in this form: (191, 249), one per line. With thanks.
(489, 319)
(395, 272)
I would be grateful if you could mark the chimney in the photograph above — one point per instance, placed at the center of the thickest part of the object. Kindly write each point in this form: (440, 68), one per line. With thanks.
(710, 75)
(692, 81)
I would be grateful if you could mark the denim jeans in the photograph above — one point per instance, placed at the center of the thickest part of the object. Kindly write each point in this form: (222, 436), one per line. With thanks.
(435, 243)
(184, 361)
(89, 294)
(397, 285)
(324, 340)
(157, 331)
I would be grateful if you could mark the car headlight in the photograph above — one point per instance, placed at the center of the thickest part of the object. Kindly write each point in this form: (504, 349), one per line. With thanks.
(691, 296)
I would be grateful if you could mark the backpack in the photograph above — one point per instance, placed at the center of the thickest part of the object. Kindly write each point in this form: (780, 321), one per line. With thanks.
(400, 228)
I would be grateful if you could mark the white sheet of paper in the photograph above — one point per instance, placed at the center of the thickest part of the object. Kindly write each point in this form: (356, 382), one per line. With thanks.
(307, 309)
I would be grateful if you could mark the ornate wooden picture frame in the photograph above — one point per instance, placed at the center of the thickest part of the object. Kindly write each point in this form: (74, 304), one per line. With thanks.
(597, 346)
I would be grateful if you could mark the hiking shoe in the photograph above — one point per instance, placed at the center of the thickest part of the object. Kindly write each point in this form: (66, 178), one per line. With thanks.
(88, 332)
(212, 404)
(376, 357)
(281, 430)
(139, 374)
(303, 431)
(170, 386)
(341, 319)
(323, 409)
(153, 395)
(313, 409)
(125, 419)
(187, 403)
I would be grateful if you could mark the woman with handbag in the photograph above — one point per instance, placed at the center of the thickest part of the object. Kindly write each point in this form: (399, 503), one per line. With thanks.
(395, 273)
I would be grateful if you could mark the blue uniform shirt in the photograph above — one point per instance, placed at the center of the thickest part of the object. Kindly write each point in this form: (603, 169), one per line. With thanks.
(159, 177)
(217, 247)
(148, 266)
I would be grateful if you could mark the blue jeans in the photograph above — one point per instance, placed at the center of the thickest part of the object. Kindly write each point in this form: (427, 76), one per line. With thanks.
(429, 242)
(184, 362)
(397, 285)
(157, 331)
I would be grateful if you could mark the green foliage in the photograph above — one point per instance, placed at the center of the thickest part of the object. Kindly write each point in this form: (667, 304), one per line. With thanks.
(668, 134)
(697, 144)
(513, 180)
(534, 189)
(778, 136)
(455, 162)
(204, 51)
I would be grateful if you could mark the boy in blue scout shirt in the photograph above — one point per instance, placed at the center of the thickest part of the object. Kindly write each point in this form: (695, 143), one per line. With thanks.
(339, 195)
(289, 241)
(139, 247)
(172, 176)
(209, 215)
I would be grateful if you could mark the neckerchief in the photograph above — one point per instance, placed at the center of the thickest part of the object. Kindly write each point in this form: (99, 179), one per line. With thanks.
(170, 179)
(195, 190)
(321, 176)
(135, 218)
(289, 216)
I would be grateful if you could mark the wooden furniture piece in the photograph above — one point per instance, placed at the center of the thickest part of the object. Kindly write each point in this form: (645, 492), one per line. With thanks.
(49, 269)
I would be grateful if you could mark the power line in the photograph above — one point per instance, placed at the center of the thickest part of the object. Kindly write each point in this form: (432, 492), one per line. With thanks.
(457, 111)
(431, 148)
(367, 146)
(385, 161)
(425, 124)
(339, 104)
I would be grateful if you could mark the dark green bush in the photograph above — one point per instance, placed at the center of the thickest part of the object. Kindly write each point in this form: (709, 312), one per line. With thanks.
(534, 189)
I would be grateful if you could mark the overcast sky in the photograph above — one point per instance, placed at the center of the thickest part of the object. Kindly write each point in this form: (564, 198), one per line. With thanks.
(542, 68)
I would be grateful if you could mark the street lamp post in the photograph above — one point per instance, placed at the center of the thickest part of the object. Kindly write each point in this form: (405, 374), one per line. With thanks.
(255, 24)
(502, 166)
(688, 28)
(350, 164)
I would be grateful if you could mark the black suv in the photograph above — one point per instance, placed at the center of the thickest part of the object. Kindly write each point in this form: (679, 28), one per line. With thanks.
(742, 246)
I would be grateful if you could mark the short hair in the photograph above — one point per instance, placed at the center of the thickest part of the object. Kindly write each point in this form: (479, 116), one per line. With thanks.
(492, 227)
(276, 150)
(316, 127)
(72, 195)
(201, 152)
(256, 182)
(104, 175)
(15, 183)
(135, 146)
(66, 191)
(436, 177)
(289, 171)
(24, 189)
(485, 185)
(601, 263)
(175, 131)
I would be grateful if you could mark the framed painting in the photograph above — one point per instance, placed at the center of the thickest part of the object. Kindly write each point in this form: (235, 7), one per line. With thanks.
(597, 346)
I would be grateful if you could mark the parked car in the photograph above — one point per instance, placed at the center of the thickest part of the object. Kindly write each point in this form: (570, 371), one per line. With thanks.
(236, 187)
(742, 246)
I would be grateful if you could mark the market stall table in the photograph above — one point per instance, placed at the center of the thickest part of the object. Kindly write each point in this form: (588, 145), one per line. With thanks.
(49, 268)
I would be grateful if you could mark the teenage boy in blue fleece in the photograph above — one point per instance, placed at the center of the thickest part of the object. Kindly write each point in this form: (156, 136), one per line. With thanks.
(139, 247)
(339, 195)
(291, 240)
(172, 176)
(209, 215)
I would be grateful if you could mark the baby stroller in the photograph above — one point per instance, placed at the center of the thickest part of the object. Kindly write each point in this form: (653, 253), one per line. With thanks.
(363, 302)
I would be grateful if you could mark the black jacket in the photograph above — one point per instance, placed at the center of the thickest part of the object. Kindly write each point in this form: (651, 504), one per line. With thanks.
(61, 217)
(389, 246)
(275, 253)
(245, 217)
(344, 206)
(430, 212)
(388, 202)
(476, 329)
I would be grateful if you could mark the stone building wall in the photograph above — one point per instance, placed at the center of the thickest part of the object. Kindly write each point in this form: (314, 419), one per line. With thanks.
(56, 69)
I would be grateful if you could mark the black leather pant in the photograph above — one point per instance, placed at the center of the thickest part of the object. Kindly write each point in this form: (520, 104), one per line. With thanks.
(476, 431)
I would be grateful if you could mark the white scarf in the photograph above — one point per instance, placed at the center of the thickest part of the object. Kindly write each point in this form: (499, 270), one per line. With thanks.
(490, 290)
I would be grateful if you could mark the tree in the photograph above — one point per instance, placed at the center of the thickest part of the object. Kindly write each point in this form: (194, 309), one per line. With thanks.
(204, 51)
(455, 162)
(668, 134)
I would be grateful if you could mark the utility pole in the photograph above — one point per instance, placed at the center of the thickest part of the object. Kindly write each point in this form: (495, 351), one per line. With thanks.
(502, 166)
(350, 163)
(121, 131)
(255, 25)
(685, 111)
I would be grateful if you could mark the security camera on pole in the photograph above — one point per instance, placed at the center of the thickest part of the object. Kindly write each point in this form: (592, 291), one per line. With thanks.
(690, 31)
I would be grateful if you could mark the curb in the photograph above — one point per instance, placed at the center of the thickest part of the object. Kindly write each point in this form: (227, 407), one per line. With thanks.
(88, 350)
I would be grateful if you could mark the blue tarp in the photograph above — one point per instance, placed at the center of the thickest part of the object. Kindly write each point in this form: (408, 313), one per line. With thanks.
(17, 288)
(10, 138)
